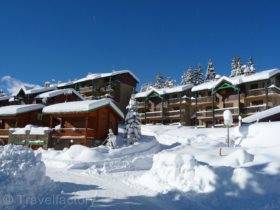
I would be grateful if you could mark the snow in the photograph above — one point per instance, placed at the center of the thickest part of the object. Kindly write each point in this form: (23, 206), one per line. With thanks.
(227, 117)
(82, 106)
(31, 129)
(22, 175)
(98, 76)
(54, 93)
(172, 167)
(4, 98)
(261, 115)
(34, 90)
(237, 79)
(18, 109)
(163, 91)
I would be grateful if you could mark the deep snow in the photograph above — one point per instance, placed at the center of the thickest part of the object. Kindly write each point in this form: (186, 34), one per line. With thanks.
(172, 167)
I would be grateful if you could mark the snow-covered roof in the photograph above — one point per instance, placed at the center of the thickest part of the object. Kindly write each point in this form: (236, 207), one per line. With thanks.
(36, 90)
(54, 93)
(261, 115)
(18, 109)
(237, 80)
(97, 76)
(4, 98)
(82, 106)
(163, 91)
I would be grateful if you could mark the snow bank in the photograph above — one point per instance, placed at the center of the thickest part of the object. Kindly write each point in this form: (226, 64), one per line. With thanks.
(102, 159)
(22, 173)
(238, 158)
(178, 171)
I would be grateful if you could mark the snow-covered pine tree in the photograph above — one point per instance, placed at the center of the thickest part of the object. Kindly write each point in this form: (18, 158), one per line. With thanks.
(169, 83)
(159, 81)
(239, 69)
(233, 67)
(187, 77)
(198, 75)
(251, 65)
(210, 72)
(145, 87)
(132, 123)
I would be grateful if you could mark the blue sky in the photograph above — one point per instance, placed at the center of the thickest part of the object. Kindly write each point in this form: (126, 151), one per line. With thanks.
(42, 40)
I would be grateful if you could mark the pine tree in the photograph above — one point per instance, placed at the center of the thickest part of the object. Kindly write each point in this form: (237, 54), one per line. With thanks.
(132, 123)
(239, 69)
(210, 72)
(160, 81)
(251, 65)
(233, 67)
(169, 83)
(187, 77)
(197, 75)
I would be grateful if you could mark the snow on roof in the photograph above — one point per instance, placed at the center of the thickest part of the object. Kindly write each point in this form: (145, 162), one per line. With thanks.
(4, 98)
(35, 90)
(81, 106)
(54, 93)
(97, 76)
(163, 91)
(237, 80)
(261, 115)
(18, 109)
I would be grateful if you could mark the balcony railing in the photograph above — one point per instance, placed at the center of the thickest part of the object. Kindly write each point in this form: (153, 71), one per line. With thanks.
(4, 132)
(254, 109)
(75, 133)
(262, 91)
(233, 110)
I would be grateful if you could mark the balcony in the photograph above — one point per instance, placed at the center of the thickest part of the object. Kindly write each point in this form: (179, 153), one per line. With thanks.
(262, 92)
(84, 90)
(73, 133)
(220, 112)
(253, 109)
(4, 133)
(204, 114)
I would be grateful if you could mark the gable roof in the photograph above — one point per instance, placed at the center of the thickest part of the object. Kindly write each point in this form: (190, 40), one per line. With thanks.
(97, 76)
(82, 106)
(28, 91)
(237, 80)
(13, 110)
(53, 93)
(163, 91)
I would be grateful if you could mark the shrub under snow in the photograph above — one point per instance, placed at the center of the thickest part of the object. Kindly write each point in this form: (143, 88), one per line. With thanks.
(177, 171)
(22, 173)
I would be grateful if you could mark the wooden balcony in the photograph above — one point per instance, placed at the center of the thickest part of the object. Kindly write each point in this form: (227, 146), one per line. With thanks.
(84, 90)
(219, 112)
(4, 133)
(261, 92)
(253, 109)
(73, 133)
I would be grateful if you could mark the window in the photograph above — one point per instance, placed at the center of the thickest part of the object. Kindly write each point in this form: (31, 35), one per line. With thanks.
(258, 102)
(254, 86)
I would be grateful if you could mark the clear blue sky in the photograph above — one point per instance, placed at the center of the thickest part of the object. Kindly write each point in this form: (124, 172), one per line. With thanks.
(41, 40)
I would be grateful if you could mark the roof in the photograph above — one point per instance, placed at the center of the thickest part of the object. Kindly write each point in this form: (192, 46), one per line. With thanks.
(97, 76)
(82, 106)
(53, 93)
(261, 115)
(13, 110)
(237, 80)
(36, 90)
(4, 98)
(164, 90)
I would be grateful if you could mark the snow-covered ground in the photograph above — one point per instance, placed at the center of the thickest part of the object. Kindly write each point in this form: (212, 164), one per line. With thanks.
(172, 167)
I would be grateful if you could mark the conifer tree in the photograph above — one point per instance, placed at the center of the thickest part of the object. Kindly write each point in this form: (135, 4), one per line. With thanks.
(187, 77)
(132, 123)
(210, 72)
(198, 75)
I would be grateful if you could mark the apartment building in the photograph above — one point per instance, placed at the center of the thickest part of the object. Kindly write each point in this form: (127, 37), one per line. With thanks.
(167, 105)
(243, 95)
(118, 85)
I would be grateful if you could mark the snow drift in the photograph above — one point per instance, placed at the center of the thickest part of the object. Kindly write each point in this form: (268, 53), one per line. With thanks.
(22, 173)
(178, 171)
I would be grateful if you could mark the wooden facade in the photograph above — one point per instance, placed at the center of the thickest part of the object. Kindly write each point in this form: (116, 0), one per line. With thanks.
(117, 85)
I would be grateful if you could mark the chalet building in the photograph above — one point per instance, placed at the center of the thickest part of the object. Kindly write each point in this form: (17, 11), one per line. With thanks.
(118, 85)
(168, 105)
(14, 116)
(82, 122)
(243, 95)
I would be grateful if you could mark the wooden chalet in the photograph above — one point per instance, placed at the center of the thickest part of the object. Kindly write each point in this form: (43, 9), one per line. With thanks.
(4, 100)
(14, 116)
(82, 122)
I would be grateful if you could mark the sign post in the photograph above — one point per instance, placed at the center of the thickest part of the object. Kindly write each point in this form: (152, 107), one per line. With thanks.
(227, 122)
